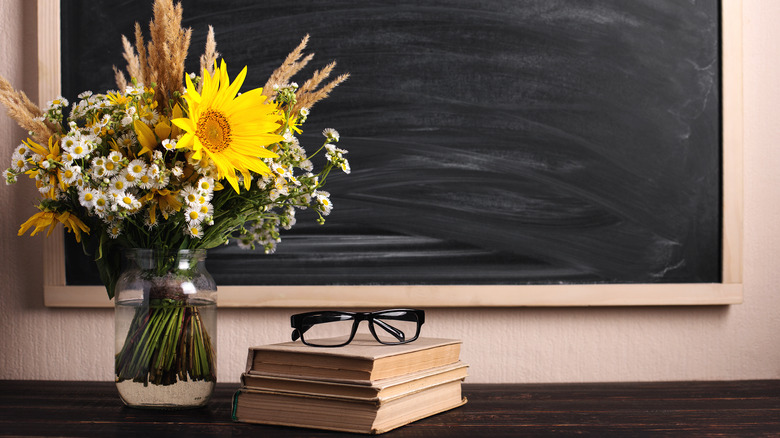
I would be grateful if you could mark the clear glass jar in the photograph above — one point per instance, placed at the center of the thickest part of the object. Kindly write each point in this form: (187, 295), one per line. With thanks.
(166, 329)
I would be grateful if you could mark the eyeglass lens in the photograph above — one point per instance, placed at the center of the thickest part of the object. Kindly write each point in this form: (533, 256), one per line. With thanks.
(327, 329)
(395, 327)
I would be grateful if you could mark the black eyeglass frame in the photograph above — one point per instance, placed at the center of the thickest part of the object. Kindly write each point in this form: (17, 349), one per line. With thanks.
(297, 322)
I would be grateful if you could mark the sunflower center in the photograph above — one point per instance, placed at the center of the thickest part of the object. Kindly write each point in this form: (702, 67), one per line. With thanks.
(213, 130)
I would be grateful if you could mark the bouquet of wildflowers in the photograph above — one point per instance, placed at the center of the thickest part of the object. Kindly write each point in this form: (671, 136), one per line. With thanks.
(173, 160)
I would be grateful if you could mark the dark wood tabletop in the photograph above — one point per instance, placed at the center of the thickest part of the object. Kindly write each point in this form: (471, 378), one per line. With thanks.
(690, 409)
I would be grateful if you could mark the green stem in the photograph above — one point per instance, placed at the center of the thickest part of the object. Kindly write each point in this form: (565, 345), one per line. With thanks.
(166, 343)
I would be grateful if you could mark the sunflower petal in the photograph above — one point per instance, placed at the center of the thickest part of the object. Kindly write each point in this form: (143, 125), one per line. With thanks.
(232, 90)
(185, 124)
(192, 92)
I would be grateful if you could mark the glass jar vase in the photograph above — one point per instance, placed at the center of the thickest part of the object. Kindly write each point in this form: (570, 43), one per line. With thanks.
(166, 329)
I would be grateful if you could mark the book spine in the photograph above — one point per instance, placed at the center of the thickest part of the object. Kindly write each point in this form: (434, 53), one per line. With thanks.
(235, 406)
(250, 359)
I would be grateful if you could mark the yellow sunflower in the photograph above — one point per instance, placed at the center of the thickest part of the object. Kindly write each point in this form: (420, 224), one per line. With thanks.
(232, 131)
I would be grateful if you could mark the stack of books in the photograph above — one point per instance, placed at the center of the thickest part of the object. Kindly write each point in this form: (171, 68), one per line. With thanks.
(362, 387)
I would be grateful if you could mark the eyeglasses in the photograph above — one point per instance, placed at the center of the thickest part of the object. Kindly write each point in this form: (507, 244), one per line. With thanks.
(335, 329)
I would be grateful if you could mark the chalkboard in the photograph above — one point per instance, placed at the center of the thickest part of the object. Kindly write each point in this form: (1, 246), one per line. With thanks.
(499, 142)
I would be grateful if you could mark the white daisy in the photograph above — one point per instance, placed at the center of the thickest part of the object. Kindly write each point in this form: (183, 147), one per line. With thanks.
(76, 147)
(145, 181)
(111, 168)
(87, 198)
(126, 141)
(116, 157)
(137, 168)
(195, 231)
(130, 179)
(134, 90)
(128, 202)
(191, 196)
(331, 134)
(282, 171)
(193, 216)
(207, 210)
(149, 117)
(98, 172)
(206, 185)
(100, 202)
(323, 199)
(114, 231)
(169, 144)
(117, 184)
(18, 162)
(114, 163)
(23, 150)
(70, 174)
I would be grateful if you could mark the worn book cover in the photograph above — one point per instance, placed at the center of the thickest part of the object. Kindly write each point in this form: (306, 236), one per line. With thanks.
(362, 359)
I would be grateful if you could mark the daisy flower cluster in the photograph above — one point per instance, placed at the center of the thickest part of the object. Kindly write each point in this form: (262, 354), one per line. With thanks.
(100, 173)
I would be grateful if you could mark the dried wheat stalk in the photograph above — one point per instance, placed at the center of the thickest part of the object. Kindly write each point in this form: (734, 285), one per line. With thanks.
(209, 57)
(289, 67)
(22, 110)
(308, 94)
(161, 60)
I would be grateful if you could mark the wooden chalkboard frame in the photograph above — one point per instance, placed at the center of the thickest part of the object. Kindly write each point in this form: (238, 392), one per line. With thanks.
(729, 291)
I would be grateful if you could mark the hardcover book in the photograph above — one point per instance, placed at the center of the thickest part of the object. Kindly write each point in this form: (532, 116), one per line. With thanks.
(377, 389)
(347, 414)
(362, 359)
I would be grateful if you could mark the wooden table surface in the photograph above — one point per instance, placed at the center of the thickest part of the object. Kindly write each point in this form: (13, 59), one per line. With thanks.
(689, 409)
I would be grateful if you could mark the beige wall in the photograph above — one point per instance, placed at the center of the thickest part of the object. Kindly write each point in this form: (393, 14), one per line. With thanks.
(501, 345)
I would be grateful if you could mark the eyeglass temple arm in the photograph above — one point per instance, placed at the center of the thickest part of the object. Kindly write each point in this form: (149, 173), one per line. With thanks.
(297, 334)
(398, 334)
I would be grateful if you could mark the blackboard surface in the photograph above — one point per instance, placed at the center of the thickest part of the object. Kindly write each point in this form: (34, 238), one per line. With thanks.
(491, 142)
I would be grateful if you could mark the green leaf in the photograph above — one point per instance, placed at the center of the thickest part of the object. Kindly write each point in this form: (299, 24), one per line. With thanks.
(108, 259)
